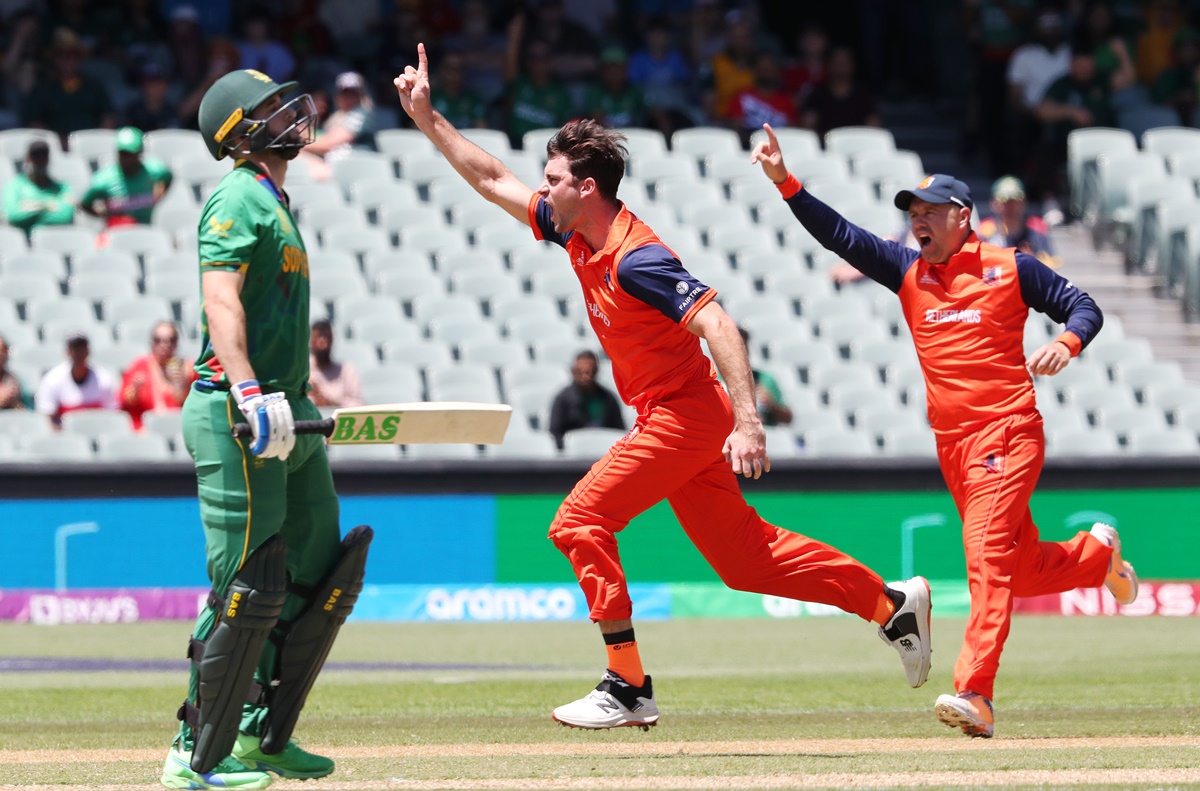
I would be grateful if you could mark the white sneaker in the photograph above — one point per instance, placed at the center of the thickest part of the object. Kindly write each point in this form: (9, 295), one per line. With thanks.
(614, 703)
(1121, 580)
(969, 712)
(908, 629)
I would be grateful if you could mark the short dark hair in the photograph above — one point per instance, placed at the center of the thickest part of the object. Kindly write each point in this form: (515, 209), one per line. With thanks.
(592, 151)
(587, 354)
(322, 325)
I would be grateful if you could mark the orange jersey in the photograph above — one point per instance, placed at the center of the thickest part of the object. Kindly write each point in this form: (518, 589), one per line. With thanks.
(639, 301)
(967, 316)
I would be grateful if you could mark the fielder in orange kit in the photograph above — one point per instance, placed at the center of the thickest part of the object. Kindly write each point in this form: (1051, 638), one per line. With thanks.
(689, 441)
(966, 303)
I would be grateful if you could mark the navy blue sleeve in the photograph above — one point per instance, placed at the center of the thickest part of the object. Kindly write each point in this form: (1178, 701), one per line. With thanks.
(1048, 292)
(543, 226)
(655, 276)
(883, 261)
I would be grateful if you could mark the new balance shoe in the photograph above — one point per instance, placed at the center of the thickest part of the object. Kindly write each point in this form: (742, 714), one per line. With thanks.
(908, 629)
(1121, 579)
(614, 703)
(968, 711)
(230, 773)
(291, 762)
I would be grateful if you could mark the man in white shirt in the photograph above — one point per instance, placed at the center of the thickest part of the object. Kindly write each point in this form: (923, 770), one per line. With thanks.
(1034, 66)
(73, 384)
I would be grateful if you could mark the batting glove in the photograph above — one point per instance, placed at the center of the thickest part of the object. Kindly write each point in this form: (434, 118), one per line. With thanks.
(270, 418)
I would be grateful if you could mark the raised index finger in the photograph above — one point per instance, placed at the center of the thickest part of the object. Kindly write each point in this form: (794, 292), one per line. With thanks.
(771, 136)
(422, 61)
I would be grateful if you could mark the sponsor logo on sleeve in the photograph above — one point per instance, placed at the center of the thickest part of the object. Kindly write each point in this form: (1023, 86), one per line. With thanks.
(218, 228)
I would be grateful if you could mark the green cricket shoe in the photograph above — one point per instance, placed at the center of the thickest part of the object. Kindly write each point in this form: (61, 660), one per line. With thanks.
(292, 762)
(178, 773)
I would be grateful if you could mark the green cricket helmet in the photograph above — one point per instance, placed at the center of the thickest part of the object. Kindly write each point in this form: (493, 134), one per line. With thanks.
(228, 128)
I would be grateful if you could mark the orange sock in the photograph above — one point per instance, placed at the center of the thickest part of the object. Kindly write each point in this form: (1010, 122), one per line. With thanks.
(884, 608)
(623, 658)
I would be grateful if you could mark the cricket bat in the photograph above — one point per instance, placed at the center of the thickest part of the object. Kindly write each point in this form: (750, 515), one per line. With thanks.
(416, 423)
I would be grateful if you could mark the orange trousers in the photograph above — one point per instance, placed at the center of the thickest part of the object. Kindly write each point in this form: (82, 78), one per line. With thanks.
(991, 474)
(675, 452)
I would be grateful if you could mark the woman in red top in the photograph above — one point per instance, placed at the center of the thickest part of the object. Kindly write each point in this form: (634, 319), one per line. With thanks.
(158, 381)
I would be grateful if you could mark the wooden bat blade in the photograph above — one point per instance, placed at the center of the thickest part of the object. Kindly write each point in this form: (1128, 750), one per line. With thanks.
(421, 423)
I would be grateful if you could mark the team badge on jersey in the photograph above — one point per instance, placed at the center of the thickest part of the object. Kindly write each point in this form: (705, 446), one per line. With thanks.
(991, 275)
(218, 228)
(994, 463)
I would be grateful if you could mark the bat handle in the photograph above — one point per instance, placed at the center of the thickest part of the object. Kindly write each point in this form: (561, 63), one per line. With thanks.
(324, 426)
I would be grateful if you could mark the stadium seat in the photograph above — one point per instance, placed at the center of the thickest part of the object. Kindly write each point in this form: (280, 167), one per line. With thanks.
(116, 264)
(487, 287)
(703, 144)
(524, 445)
(57, 448)
(835, 441)
(94, 422)
(14, 143)
(359, 166)
(69, 241)
(360, 241)
(19, 423)
(21, 287)
(144, 241)
(816, 172)
(391, 384)
(12, 241)
(93, 146)
(1162, 442)
(643, 144)
(492, 141)
(1172, 399)
(560, 350)
(795, 143)
(126, 447)
(72, 171)
(454, 330)
(1084, 146)
(889, 173)
(533, 142)
(422, 355)
(589, 443)
(410, 287)
(1124, 420)
(910, 441)
(172, 144)
(1141, 118)
(372, 195)
(378, 330)
(1090, 442)
(851, 142)
(800, 354)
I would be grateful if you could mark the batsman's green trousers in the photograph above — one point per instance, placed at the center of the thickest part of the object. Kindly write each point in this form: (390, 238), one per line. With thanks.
(244, 500)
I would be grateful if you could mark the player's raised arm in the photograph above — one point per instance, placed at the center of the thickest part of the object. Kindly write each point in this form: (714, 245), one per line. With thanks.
(484, 172)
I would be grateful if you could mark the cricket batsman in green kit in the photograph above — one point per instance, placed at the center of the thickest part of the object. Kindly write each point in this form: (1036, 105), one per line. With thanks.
(284, 580)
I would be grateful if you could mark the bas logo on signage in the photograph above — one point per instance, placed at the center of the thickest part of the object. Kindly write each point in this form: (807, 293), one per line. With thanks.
(366, 428)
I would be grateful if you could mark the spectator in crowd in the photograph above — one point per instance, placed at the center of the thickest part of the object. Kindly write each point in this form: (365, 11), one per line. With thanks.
(1081, 98)
(841, 100)
(1176, 87)
(459, 104)
(1163, 19)
(585, 403)
(33, 198)
(705, 30)
(994, 30)
(141, 35)
(221, 58)
(1112, 51)
(158, 381)
(771, 407)
(732, 67)
(807, 70)
(10, 386)
(573, 51)
(1034, 68)
(535, 100)
(68, 100)
(613, 101)
(21, 57)
(154, 108)
(665, 79)
(350, 22)
(126, 192)
(598, 17)
(333, 383)
(482, 50)
(189, 52)
(73, 384)
(257, 50)
(764, 102)
(351, 126)
(1011, 224)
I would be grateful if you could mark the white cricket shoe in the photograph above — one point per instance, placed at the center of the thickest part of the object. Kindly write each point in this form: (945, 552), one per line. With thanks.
(614, 703)
(908, 629)
(1121, 580)
(969, 712)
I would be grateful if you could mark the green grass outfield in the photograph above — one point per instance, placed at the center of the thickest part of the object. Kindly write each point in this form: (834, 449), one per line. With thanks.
(812, 703)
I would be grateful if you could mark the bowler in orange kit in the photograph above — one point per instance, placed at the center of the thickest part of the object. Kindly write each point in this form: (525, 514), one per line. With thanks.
(690, 440)
(966, 303)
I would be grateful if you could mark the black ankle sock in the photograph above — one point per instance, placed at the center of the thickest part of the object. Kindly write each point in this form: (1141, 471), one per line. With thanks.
(898, 598)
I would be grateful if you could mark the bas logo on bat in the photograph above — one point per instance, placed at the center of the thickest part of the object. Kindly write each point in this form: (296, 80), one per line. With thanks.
(366, 428)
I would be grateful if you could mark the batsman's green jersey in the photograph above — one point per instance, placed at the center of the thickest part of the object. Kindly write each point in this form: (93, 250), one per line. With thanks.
(245, 227)
(128, 196)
